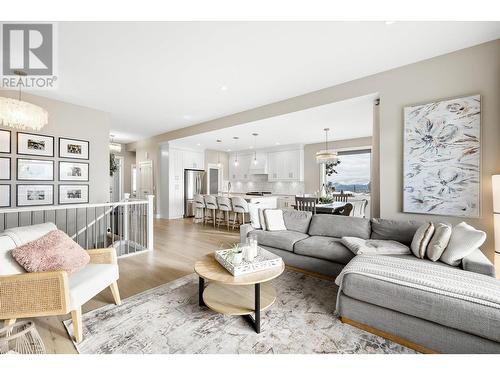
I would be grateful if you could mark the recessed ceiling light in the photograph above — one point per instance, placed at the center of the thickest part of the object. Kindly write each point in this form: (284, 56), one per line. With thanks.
(186, 117)
(251, 147)
(228, 150)
(223, 88)
(277, 143)
(198, 144)
(389, 22)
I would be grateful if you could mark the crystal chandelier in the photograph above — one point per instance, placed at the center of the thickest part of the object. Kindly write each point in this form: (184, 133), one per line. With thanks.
(326, 155)
(21, 115)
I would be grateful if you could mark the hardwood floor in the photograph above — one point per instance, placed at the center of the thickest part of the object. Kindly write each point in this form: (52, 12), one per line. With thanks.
(178, 245)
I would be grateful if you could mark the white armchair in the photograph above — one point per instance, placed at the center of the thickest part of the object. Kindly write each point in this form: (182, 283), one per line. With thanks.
(35, 294)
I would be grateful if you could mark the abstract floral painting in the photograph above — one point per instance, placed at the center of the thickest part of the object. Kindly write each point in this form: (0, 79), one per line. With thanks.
(442, 157)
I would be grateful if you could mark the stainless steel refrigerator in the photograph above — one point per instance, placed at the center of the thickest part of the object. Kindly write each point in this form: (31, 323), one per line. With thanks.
(193, 184)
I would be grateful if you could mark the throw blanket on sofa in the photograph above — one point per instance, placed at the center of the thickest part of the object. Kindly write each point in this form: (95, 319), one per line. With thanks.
(423, 275)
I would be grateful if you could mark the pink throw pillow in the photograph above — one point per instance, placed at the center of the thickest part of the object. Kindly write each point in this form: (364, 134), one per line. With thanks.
(53, 252)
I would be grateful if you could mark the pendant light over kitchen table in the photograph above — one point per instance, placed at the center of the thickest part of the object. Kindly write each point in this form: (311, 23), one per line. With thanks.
(327, 155)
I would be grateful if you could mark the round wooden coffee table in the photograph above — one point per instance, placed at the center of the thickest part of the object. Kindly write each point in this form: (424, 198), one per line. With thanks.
(241, 295)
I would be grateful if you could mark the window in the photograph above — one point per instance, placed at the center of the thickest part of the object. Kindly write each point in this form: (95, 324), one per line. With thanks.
(134, 180)
(353, 172)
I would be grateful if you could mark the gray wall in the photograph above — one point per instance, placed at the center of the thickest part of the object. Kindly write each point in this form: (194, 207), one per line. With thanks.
(70, 121)
(474, 70)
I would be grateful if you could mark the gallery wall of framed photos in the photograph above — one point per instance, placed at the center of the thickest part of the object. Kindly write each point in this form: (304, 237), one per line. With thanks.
(32, 175)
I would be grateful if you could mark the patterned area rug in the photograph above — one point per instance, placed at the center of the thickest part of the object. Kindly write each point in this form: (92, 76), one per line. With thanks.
(167, 319)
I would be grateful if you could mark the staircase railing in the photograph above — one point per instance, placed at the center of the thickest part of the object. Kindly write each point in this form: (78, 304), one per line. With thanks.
(125, 225)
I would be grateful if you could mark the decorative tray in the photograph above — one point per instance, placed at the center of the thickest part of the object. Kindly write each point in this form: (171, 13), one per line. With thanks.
(263, 261)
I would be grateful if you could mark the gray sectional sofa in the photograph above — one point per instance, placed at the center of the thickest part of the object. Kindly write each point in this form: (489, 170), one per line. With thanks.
(313, 243)
(420, 319)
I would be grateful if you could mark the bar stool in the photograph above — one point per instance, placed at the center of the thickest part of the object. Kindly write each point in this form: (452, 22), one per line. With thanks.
(199, 208)
(225, 208)
(240, 206)
(210, 205)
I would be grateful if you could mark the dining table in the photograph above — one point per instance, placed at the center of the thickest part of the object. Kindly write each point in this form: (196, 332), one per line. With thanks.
(326, 208)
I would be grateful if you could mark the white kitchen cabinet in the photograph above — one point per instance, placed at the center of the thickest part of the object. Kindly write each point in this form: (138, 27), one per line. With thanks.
(240, 172)
(193, 159)
(279, 165)
(286, 165)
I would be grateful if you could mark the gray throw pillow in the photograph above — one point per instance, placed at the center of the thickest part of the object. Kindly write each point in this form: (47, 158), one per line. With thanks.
(439, 241)
(421, 239)
(463, 241)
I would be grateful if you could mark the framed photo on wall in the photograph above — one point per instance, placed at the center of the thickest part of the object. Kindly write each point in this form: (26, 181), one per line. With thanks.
(73, 149)
(35, 170)
(35, 195)
(71, 194)
(35, 144)
(5, 168)
(73, 171)
(5, 141)
(4, 195)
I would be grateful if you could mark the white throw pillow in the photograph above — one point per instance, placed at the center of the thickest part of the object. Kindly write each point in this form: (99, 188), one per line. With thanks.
(274, 219)
(253, 209)
(439, 241)
(386, 247)
(256, 211)
(421, 239)
(463, 241)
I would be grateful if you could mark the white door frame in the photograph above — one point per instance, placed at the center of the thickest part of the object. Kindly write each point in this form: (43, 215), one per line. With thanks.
(121, 164)
(139, 187)
(133, 168)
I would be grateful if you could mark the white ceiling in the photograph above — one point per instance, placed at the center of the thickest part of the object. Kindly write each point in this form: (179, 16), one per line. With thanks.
(156, 77)
(351, 118)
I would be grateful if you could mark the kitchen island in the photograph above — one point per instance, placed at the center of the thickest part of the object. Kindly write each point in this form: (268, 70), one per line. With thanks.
(271, 201)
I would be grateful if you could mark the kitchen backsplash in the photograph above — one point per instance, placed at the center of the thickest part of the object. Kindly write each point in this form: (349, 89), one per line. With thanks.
(260, 183)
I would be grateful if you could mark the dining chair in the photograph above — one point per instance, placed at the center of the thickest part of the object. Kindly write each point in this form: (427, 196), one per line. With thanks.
(240, 206)
(344, 210)
(362, 208)
(306, 204)
(225, 208)
(199, 208)
(341, 197)
(212, 207)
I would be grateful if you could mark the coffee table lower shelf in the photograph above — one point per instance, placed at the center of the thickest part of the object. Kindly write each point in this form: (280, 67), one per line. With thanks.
(243, 300)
